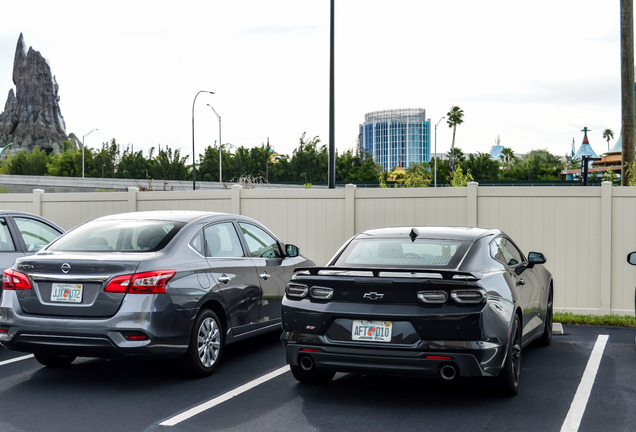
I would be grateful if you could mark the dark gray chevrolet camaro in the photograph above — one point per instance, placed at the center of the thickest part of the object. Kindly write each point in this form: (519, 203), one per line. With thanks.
(165, 283)
(446, 302)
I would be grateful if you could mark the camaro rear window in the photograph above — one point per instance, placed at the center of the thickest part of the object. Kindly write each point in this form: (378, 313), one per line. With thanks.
(423, 252)
(118, 236)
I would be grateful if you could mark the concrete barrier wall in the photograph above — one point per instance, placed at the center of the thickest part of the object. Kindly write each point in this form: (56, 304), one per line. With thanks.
(585, 232)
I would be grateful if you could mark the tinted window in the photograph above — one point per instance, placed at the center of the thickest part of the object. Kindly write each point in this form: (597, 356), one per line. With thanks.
(221, 240)
(260, 243)
(403, 252)
(119, 236)
(6, 242)
(35, 234)
(505, 251)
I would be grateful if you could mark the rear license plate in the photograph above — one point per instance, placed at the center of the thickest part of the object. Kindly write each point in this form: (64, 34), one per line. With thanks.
(66, 293)
(373, 331)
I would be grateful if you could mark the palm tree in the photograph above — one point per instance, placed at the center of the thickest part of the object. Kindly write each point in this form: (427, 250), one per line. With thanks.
(454, 118)
(608, 134)
(507, 155)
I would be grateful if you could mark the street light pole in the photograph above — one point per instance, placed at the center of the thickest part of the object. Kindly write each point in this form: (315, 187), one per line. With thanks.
(220, 167)
(84, 136)
(194, 167)
(331, 171)
(435, 154)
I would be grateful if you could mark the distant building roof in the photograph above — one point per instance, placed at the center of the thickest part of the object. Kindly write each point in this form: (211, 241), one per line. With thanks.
(495, 152)
(586, 148)
(618, 147)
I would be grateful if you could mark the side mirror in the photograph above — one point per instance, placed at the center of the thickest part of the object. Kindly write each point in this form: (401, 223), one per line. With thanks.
(292, 251)
(631, 258)
(536, 258)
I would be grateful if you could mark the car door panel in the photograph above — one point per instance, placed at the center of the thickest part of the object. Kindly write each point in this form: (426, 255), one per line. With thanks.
(234, 275)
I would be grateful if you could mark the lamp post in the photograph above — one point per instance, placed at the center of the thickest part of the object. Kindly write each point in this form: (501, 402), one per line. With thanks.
(84, 136)
(220, 167)
(194, 167)
(435, 154)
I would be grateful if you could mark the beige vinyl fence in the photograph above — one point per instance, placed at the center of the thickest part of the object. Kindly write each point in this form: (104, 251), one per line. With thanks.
(585, 232)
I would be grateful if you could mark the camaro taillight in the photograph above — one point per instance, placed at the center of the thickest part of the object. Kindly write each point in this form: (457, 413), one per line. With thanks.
(296, 290)
(13, 280)
(153, 282)
(320, 293)
(432, 297)
(468, 296)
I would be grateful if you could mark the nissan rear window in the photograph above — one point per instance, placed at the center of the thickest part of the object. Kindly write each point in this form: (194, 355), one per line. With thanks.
(387, 252)
(118, 236)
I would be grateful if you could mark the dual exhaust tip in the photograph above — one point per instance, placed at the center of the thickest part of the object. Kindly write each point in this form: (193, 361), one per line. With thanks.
(447, 371)
(306, 362)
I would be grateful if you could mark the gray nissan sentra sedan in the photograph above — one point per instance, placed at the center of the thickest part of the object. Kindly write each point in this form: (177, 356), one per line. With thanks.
(164, 283)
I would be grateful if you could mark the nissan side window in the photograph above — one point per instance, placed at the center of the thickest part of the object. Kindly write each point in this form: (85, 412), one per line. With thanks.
(36, 234)
(221, 240)
(6, 242)
(260, 243)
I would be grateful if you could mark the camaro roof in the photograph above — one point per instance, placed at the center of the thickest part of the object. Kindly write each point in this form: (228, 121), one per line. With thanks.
(442, 233)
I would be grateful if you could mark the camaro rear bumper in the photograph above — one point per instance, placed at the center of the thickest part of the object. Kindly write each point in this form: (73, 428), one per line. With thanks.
(469, 358)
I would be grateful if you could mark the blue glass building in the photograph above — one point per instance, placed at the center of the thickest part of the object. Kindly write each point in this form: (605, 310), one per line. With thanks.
(397, 138)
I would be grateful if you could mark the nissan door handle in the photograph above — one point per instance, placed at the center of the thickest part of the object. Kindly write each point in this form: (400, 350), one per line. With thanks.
(224, 279)
(264, 276)
(521, 282)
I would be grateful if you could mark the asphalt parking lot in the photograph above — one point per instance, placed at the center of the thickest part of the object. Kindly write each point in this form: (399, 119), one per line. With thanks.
(253, 390)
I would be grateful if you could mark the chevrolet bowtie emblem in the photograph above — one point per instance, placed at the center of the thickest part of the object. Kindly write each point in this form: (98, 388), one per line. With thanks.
(372, 295)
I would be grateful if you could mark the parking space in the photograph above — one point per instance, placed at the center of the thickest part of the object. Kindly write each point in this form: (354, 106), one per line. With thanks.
(136, 396)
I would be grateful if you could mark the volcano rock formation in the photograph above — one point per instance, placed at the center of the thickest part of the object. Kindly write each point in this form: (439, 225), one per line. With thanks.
(32, 116)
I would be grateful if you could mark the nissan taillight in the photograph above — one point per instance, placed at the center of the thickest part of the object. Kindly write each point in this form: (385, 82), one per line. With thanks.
(13, 280)
(153, 282)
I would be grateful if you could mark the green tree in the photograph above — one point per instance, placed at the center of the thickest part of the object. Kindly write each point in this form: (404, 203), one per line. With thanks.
(611, 176)
(104, 163)
(457, 155)
(26, 163)
(133, 165)
(250, 162)
(535, 165)
(309, 163)
(418, 175)
(69, 162)
(454, 118)
(507, 155)
(459, 178)
(572, 162)
(168, 165)
(482, 167)
(608, 135)
(351, 167)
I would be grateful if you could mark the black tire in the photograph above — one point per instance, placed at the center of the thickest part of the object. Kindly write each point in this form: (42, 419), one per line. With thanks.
(54, 361)
(312, 376)
(206, 345)
(546, 338)
(508, 379)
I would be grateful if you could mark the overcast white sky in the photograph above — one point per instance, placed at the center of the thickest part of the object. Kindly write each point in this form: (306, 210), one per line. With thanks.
(534, 73)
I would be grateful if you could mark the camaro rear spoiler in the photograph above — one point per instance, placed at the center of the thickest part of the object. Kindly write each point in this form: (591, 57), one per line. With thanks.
(389, 272)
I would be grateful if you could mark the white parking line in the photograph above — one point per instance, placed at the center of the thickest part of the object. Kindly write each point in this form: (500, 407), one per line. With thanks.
(224, 397)
(17, 359)
(577, 408)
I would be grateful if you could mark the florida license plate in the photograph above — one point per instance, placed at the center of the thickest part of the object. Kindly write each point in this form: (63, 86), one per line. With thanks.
(66, 293)
(371, 331)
